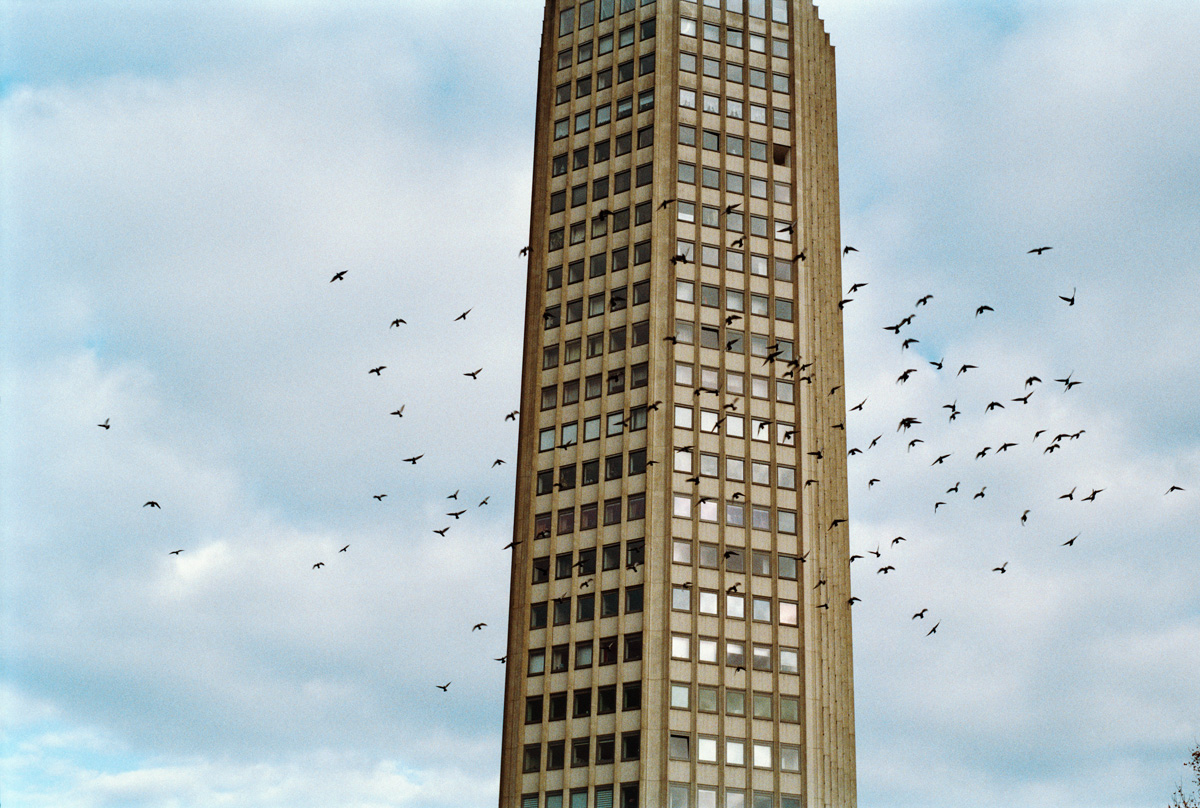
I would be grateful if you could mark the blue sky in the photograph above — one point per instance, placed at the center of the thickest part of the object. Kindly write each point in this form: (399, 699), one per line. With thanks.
(181, 181)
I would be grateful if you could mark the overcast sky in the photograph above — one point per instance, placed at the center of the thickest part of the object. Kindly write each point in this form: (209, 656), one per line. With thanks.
(180, 181)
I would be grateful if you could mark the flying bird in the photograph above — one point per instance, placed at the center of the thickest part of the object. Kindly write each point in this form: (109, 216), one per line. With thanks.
(478, 626)
(938, 364)
(105, 425)
(413, 460)
(318, 565)
(1025, 517)
(463, 316)
(1039, 250)
(444, 688)
(454, 495)
(1071, 541)
(666, 202)
(377, 371)
(1092, 496)
(936, 505)
(512, 416)
(457, 514)
(910, 341)
(397, 322)
(885, 570)
(982, 309)
(340, 276)
(935, 625)
(1069, 495)
(855, 287)
(344, 549)
(980, 495)
(964, 369)
(175, 552)
(379, 496)
(924, 301)
(993, 406)
(920, 614)
(474, 374)
(1001, 569)
(398, 413)
(941, 459)
(1025, 398)
(1030, 381)
(1173, 488)
(859, 406)
(499, 462)
(442, 532)
(1070, 300)
(484, 502)
(871, 482)
(152, 504)
(848, 249)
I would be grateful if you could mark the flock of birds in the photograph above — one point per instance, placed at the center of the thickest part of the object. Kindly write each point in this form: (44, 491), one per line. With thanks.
(1033, 383)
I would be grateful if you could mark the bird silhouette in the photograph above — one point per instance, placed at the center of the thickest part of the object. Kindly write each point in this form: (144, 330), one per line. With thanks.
(340, 276)
(924, 301)
(848, 249)
(457, 514)
(462, 316)
(666, 202)
(964, 369)
(499, 462)
(941, 459)
(484, 501)
(152, 504)
(474, 374)
(920, 614)
(1173, 488)
(1001, 569)
(377, 371)
(982, 309)
(1025, 398)
(478, 626)
(980, 494)
(1004, 447)
(936, 505)
(444, 688)
(953, 489)
(175, 552)
(1069, 495)
(1039, 250)
(318, 565)
(1070, 300)
(858, 407)
(397, 322)
(442, 532)
(512, 416)
(398, 413)
(855, 287)
(379, 496)
(1071, 541)
(932, 630)
(1092, 496)
(1025, 517)
(344, 549)
(106, 424)
(938, 364)
(885, 570)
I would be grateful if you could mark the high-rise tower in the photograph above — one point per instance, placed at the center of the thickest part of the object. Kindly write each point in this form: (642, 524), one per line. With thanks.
(679, 632)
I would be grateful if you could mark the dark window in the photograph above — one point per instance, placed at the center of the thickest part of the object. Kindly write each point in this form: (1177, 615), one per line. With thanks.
(563, 564)
(610, 602)
(581, 158)
(631, 746)
(587, 514)
(533, 710)
(625, 71)
(583, 86)
(600, 189)
(635, 552)
(616, 381)
(590, 472)
(545, 481)
(541, 570)
(560, 659)
(648, 28)
(612, 511)
(587, 561)
(585, 608)
(581, 754)
(645, 137)
(637, 462)
(541, 530)
(645, 174)
(646, 64)
(566, 478)
(566, 521)
(630, 794)
(610, 556)
(616, 338)
(633, 647)
(583, 704)
(604, 79)
(602, 150)
(570, 392)
(633, 599)
(557, 706)
(632, 696)
(558, 166)
(614, 465)
(641, 290)
(554, 277)
(638, 375)
(604, 749)
(643, 213)
(641, 333)
(620, 184)
(558, 201)
(537, 615)
(555, 751)
(607, 651)
(562, 612)
(579, 195)
(593, 386)
(575, 310)
(531, 760)
(620, 259)
(624, 144)
(606, 700)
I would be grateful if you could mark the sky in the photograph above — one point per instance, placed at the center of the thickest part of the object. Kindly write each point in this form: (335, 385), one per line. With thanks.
(180, 181)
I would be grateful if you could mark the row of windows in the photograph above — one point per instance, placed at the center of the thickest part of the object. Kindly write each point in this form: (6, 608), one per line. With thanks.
(735, 73)
(733, 340)
(604, 79)
(602, 795)
(589, 12)
(681, 794)
(581, 752)
(734, 182)
(763, 657)
(589, 515)
(735, 145)
(735, 383)
(735, 425)
(735, 469)
(734, 221)
(614, 466)
(565, 564)
(709, 556)
(604, 114)
(762, 610)
(735, 108)
(735, 260)
(584, 656)
(571, 349)
(735, 300)
(616, 299)
(578, 231)
(733, 36)
(705, 749)
(593, 387)
(709, 510)
(560, 611)
(601, 151)
(603, 699)
(708, 700)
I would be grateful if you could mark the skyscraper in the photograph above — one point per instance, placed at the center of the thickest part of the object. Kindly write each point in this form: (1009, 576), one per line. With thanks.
(679, 630)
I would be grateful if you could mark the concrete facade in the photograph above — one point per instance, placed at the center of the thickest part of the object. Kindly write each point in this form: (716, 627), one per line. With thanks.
(680, 630)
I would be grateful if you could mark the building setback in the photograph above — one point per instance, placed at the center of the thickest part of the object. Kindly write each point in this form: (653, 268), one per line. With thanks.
(679, 627)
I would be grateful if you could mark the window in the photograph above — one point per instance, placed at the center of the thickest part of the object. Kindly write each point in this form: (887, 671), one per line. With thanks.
(681, 647)
(541, 569)
(531, 759)
(706, 750)
(789, 660)
(631, 745)
(735, 702)
(706, 650)
(606, 700)
(537, 662)
(583, 654)
(687, 137)
(735, 752)
(633, 599)
(679, 747)
(610, 602)
(735, 654)
(555, 754)
(633, 652)
(687, 99)
(537, 615)
(763, 705)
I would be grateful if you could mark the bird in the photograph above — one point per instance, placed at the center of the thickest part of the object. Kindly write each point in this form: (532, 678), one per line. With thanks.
(953, 489)
(1004, 447)
(524, 250)
(730, 319)
(484, 501)
(835, 523)
(106, 424)
(871, 482)
(910, 341)
(897, 540)
(858, 407)
(512, 416)
(1025, 398)
(457, 514)
(732, 589)
(152, 504)
(1025, 517)
(905, 376)
(980, 495)
(501, 659)
(848, 249)
(681, 258)
(932, 630)
(499, 462)
(964, 369)
(982, 309)
(1039, 250)
(379, 496)
(936, 505)
(344, 549)
(842, 303)
(444, 688)
(397, 322)
(454, 495)
(907, 422)
(920, 614)
(1173, 488)
(398, 413)
(875, 552)
(474, 374)
(442, 532)
(732, 207)
(941, 459)
(875, 440)
(1092, 496)
(913, 443)
(175, 552)
(377, 371)
(318, 565)
(1069, 495)
(1070, 300)
(994, 405)
(737, 495)
(855, 287)
(511, 544)
(463, 316)
(413, 459)
(1001, 569)
(885, 570)
(924, 301)
(1071, 541)
(478, 626)
(938, 364)
(853, 601)
(1031, 380)
(1050, 449)
(666, 202)
(340, 276)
